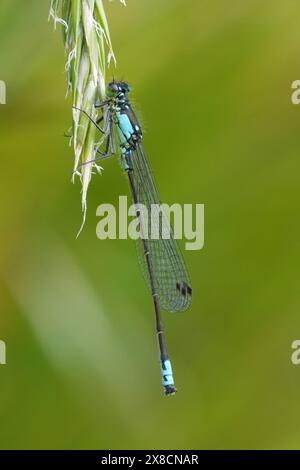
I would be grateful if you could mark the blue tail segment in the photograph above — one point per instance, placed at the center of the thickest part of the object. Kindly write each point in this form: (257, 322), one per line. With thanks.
(167, 373)
(167, 377)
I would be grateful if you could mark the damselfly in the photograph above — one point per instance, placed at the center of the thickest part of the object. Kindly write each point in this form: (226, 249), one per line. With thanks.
(160, 258)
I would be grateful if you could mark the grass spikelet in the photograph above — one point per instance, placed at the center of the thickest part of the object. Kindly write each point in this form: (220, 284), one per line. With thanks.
(89, 52)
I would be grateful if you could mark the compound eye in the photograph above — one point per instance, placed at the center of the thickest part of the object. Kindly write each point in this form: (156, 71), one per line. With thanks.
(125, 87)
(113, 87)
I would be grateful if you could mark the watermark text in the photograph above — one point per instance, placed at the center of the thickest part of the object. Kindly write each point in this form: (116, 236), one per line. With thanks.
(160, 221)
(2, 353)
(295, 357)
(2, 92)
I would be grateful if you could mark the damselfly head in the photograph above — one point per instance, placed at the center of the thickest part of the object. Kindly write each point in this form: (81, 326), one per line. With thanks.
(118, 88)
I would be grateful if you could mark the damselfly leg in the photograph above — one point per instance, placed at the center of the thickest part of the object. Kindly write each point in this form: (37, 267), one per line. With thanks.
(108, 135)
(91, 119)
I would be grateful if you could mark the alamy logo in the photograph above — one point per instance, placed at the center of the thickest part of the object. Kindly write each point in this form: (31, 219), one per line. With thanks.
(2, 353)
(153, 223)
(2, 92)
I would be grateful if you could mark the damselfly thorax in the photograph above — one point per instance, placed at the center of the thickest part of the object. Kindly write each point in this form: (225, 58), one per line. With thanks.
(126, 123)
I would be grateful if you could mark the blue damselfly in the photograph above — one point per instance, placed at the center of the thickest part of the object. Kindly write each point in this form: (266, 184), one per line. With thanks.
(159, 257)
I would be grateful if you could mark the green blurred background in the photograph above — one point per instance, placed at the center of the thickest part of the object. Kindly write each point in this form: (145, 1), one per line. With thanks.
(212, 83)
